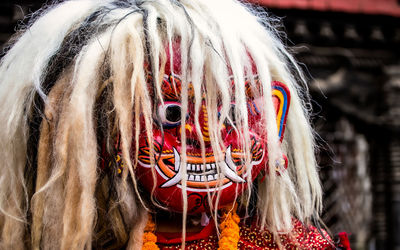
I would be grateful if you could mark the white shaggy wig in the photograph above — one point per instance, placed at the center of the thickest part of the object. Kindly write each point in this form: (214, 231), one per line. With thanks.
(74, 80)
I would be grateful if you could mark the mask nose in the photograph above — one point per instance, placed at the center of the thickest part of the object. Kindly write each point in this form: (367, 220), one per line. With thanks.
(204, 124)
(191, 134)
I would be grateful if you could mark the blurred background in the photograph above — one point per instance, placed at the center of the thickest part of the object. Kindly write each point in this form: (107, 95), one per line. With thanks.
(349, 50)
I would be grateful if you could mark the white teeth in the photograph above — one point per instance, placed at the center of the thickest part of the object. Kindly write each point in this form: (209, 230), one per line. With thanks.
(173, 181)
(228, 159)
(195, 168)
(177, 160)
(228, 168)
(178, 176)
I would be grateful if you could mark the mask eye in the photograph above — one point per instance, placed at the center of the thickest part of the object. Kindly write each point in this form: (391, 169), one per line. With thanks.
(170, 114)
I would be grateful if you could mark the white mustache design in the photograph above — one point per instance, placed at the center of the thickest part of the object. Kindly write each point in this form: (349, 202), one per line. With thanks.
(205, 172)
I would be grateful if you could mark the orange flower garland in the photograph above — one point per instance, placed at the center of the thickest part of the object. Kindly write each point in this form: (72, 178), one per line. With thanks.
(229, 230)
(149, 238)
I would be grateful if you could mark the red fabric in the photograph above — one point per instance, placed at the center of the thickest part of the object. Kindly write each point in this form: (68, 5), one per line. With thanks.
(344, 242)
(175, 238)
(251, 237)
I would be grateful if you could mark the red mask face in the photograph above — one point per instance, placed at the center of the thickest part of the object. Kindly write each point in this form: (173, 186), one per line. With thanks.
(226, 174)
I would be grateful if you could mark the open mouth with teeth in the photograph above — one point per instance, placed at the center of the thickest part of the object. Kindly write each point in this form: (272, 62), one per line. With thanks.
(203, 174)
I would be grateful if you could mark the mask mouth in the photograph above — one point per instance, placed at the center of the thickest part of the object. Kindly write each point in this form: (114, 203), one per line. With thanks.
(203, 174)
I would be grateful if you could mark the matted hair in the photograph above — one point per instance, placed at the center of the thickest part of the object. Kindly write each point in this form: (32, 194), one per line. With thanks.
(74, 80)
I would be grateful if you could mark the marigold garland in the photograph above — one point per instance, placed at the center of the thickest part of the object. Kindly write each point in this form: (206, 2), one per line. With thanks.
(149, 238)
(229, 230)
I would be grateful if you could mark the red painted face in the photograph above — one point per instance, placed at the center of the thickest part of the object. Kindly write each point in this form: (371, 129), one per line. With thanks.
(225, 173)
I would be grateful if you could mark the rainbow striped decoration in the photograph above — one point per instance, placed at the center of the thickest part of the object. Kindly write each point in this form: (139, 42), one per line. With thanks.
(281, 92)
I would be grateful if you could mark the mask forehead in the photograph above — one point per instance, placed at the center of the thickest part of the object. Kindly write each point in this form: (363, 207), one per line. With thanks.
(174, 61)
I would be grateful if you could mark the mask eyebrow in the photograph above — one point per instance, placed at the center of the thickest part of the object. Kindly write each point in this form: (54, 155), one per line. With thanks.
(171, 88)
(253, 90)
(252, 87)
